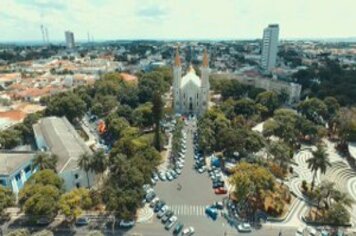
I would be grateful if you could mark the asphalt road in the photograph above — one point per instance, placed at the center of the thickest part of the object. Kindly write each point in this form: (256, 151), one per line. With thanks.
(188, 204)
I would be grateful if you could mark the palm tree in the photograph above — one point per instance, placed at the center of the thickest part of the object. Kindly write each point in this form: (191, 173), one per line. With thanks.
(85, 162)
(44, 161)
(99, 163)
(319, 161)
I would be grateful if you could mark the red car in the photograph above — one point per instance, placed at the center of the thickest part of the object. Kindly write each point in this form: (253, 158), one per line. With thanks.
(220, 190)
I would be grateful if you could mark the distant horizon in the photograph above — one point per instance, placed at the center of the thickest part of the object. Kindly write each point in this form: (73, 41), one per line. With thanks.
(30, 20)
(84, 41)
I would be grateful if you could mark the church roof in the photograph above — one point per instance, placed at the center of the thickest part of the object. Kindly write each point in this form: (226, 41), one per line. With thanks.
(191, 76)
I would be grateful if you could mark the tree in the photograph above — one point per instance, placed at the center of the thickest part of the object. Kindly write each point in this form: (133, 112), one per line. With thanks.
(142, 115)
(270, 100)
(7, 199)
(99, 162)
(73, 203)
(157, 111)
(337, 215)
(332, 106)
(44, 161)
(19, 232)
(346, 125)
(319, 161)
(282, 153)
(66, 104)
(85, 163)
(252, 183)
(313, 109)
(46, 177)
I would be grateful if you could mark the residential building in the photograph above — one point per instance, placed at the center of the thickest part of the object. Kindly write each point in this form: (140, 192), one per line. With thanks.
(70, 43)
(191, 93)
(58, 136)
(15, 169)
(269, 47)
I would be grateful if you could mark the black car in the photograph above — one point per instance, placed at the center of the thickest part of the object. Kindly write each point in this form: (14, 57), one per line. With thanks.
(178, 229)
(150, 196)
(166, 216)
(158, 206)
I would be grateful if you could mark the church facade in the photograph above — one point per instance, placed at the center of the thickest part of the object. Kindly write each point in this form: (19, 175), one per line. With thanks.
(191, 93)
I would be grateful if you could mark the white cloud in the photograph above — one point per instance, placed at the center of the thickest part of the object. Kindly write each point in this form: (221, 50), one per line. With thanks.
(122, 19)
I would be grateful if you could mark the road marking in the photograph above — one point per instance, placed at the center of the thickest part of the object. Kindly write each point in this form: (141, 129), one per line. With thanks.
(193, 210)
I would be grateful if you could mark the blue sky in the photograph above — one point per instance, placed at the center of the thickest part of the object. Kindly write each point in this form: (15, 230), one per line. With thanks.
(20, 20)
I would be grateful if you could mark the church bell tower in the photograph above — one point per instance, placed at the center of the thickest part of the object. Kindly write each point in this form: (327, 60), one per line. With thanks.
(205, 84)
(177, 75)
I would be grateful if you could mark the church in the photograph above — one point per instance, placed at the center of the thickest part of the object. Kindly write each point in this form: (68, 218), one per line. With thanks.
(191, 93)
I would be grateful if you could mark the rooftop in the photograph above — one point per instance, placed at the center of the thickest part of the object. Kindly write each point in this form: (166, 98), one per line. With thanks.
(10, 162)
(60, 137)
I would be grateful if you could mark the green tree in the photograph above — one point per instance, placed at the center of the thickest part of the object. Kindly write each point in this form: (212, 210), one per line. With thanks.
(313, 109)
(252, 183)
(270, 100)
(157, 111)
(7, 199)
(73, 203)
(319, 161)
(85, 163)
(44, 161)
(66, 104)
(143, 116)
(281, 153)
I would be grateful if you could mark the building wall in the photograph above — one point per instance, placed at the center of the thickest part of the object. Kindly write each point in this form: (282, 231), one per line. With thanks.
(18, 178)
(76, 178)
(269, 47)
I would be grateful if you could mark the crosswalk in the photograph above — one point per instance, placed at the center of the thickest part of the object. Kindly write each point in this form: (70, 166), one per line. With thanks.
(188, 210)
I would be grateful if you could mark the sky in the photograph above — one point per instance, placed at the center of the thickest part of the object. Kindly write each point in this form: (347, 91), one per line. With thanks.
(20, 20)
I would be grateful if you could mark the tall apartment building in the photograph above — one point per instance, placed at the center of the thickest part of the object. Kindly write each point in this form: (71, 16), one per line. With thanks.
(269, 47)
(69, 39)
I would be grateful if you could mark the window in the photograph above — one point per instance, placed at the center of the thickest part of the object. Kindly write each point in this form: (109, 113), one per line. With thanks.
(78, 185)
(28, 169)
(3, 182)
(184, 95)
(18, 177)
(197, 95)
(76, 176)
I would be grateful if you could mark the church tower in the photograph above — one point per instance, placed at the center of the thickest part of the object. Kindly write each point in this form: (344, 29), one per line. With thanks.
(177, 75)
(205, 84)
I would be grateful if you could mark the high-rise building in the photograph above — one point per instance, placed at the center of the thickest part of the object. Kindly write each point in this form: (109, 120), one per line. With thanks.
(69, 39)
(269, 47)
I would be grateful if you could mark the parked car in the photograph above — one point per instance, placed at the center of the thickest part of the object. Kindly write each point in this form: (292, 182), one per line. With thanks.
(178, 228)
(162, 176)
(211, 212)
(178, 171)
(218, 205)
(162, 212)
(159, 205)
(202, 169)
(150, 196)
(188, 231)
(220, 190)
(153, 202)
(127, 223)
(170, 222)
(244, 228)
(82, 221)
(166, 216)
(44, 221)
(169, 176)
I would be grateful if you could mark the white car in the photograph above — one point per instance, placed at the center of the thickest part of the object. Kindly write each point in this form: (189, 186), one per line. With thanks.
(153, 202)
(300, 231)
(127, 223)
(244, 227)
(180, 165)
(162, 176)
(170, 222)
(169, 176)
(162, 211)
(188, 231)
(178, 171)
(202, 169)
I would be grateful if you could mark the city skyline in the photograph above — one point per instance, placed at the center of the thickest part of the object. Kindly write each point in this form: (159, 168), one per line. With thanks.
(157, 19)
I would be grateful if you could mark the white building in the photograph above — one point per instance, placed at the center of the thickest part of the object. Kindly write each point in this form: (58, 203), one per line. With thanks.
(269, 47)
(191, 93)
(70, 43)
(58, 136)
